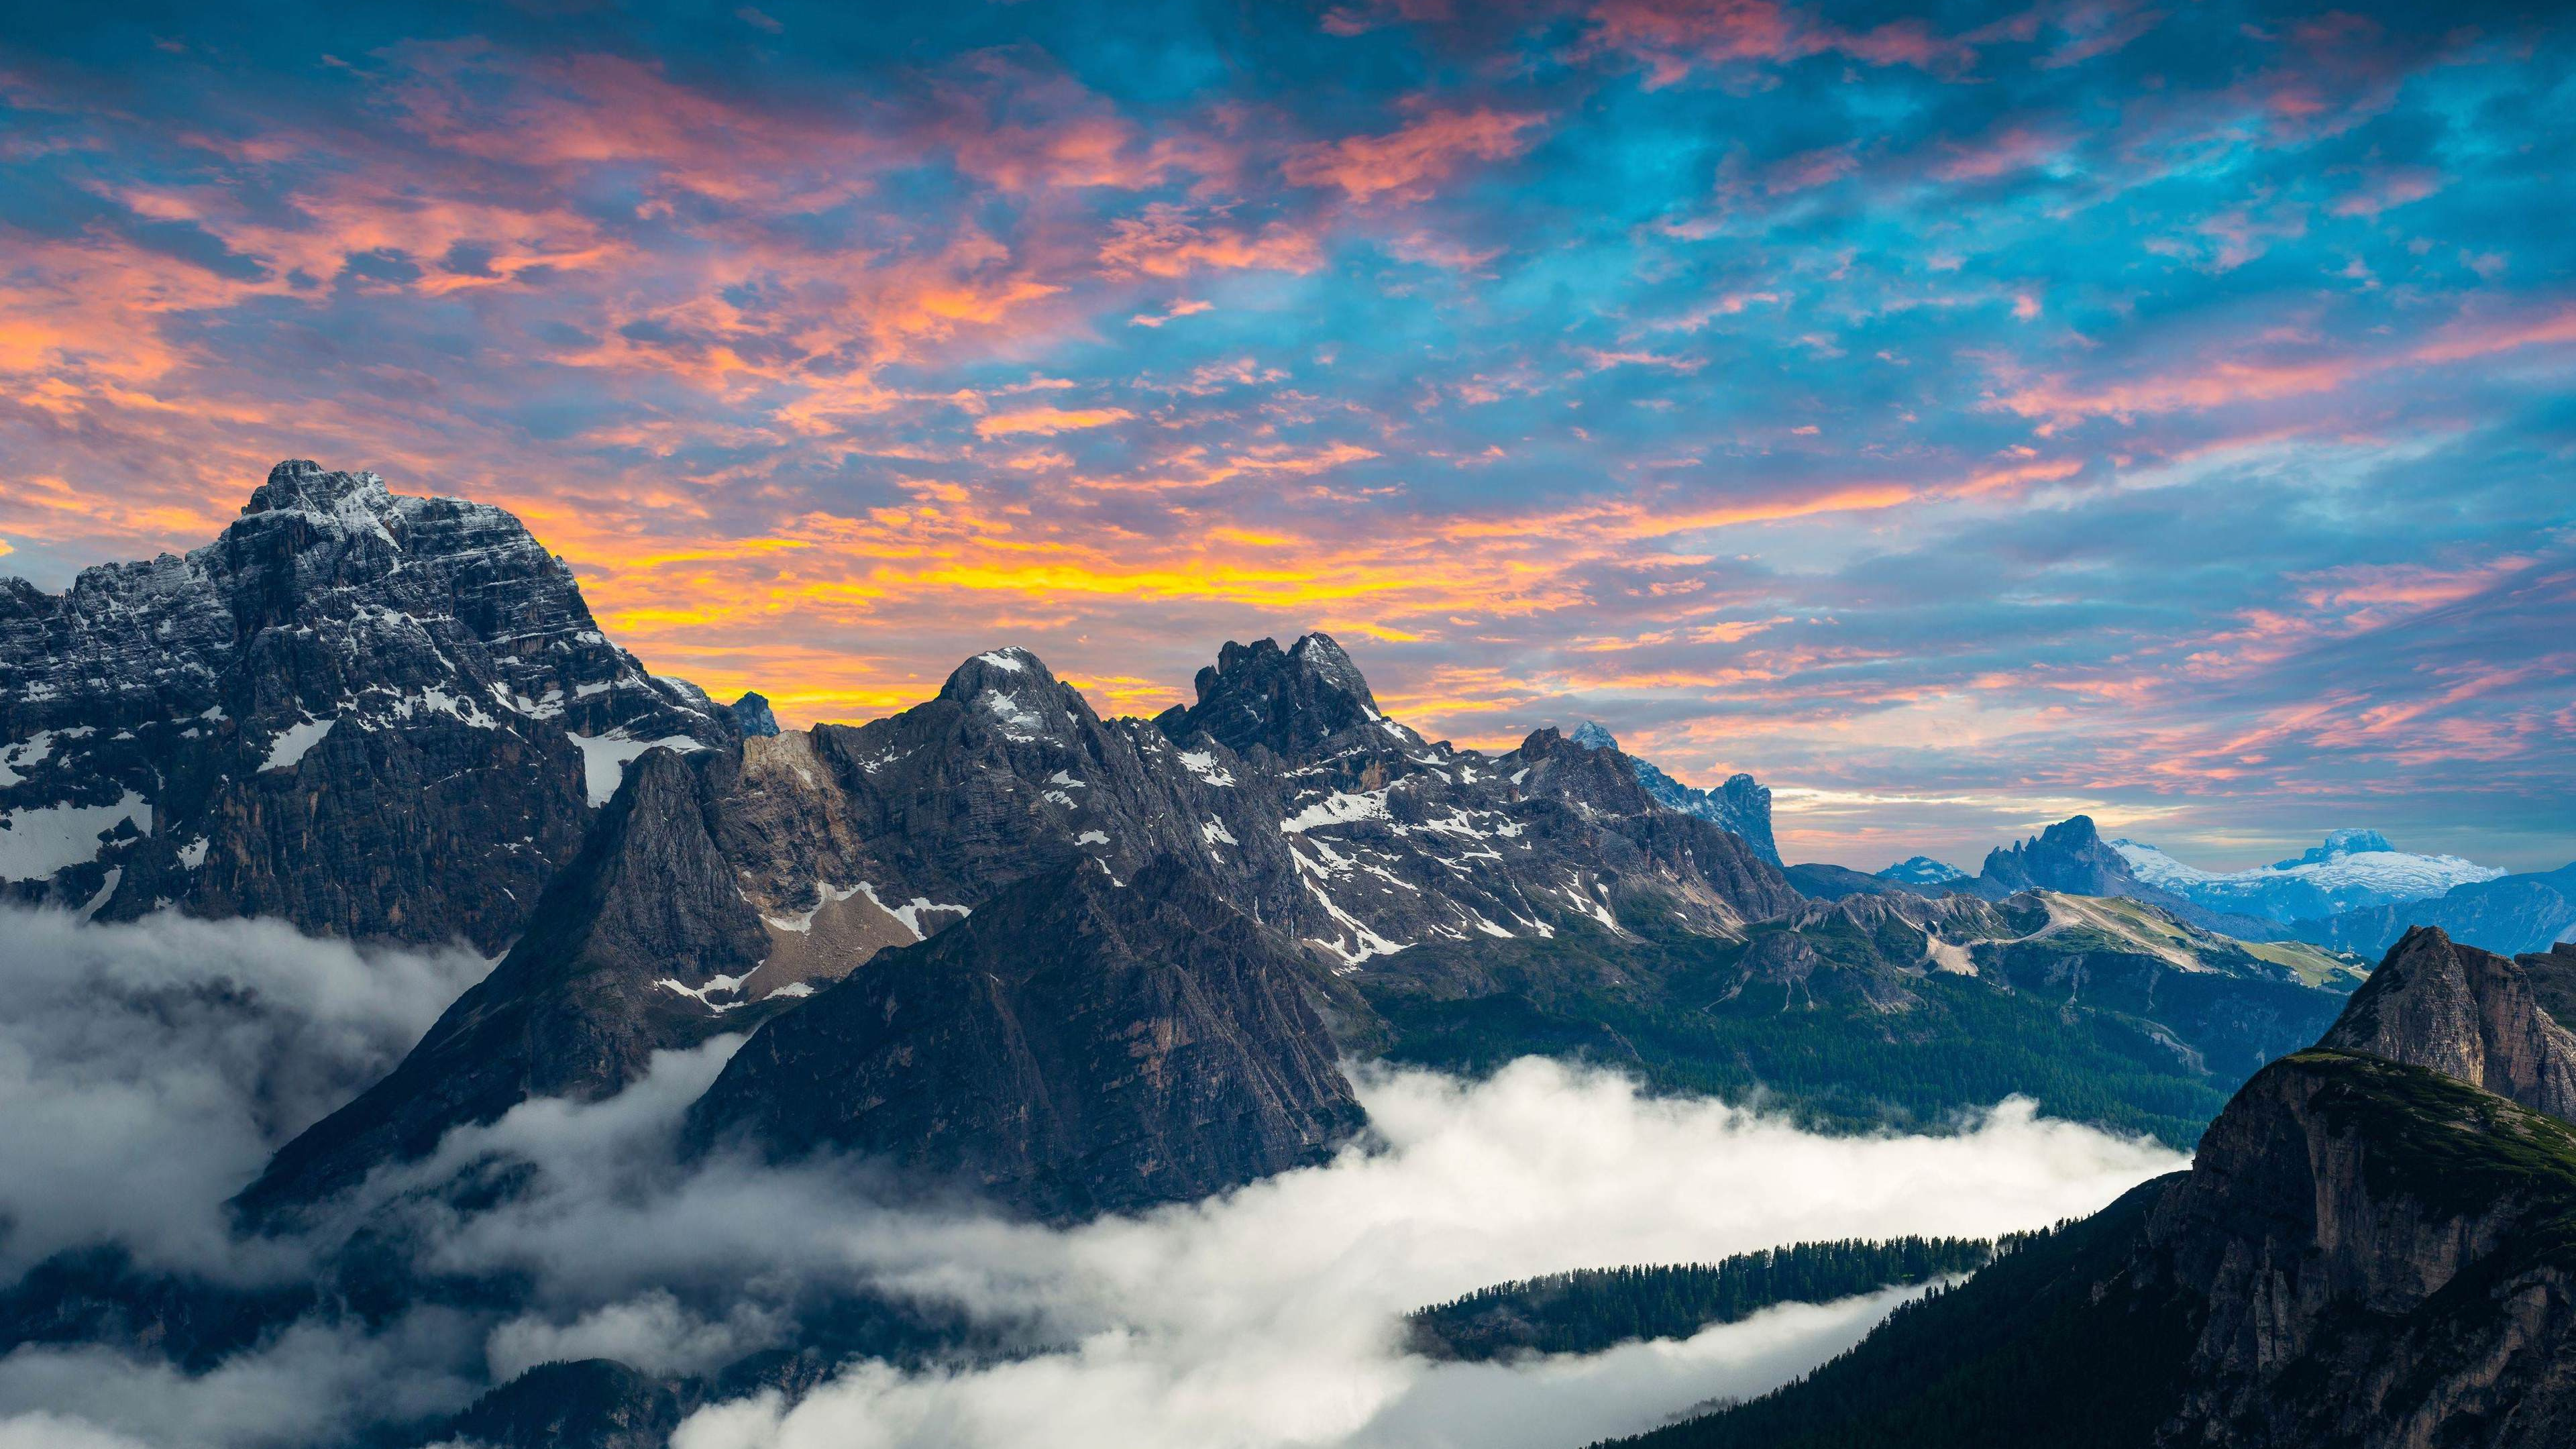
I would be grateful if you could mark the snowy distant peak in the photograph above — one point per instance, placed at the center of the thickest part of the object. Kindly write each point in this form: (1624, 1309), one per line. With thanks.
(1923, 870)
(2353, 869)
(1592, 736)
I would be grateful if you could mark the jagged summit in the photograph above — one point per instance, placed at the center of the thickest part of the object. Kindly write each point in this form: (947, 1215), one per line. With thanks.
(1288, 701)
(1593, 735)
(304, 485)
(2466, 1013)
(753, 716)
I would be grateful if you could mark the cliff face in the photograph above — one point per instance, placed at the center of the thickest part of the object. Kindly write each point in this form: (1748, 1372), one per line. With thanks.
(2466, 1013)
(2387, 1257)
(1077, 1046)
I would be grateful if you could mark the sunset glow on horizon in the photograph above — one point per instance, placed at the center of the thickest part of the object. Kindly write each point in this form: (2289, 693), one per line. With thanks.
(2163, 412)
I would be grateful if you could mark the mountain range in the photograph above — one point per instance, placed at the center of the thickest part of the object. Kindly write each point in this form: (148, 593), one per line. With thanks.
(999, 944)
(2353, 870)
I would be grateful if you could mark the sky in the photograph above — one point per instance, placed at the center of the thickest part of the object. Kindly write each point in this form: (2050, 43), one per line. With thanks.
(1958, 417)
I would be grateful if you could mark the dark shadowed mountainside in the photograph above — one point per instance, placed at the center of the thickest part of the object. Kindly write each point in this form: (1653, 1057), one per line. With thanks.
(2368, 1250)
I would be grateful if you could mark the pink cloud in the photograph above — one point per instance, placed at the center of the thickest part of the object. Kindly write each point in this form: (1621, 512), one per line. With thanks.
(1402, 164)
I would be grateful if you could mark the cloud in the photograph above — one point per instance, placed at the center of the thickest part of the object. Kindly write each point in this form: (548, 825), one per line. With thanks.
(147, 1071)
(1269, 1316)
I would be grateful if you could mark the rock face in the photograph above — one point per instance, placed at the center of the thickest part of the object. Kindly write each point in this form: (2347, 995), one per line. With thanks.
(631, 951)
(1741, 805)
(373, 716)
(2512, 914)
(2368, 1250)
(2386, 1258)
(752, 716)
(1076, 1046)
(2466, 1013)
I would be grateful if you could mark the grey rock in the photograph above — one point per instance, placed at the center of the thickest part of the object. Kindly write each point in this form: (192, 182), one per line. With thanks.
(2466, 1013)
(1076, 1046)
(751, 714)
(371, 715)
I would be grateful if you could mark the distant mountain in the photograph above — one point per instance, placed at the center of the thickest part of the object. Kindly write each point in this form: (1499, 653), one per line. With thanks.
(1741, 805)
(1887, 1009)
(2371, 1248)
(2352, 870)
(2071, 856)
(372, 716)
(2512, 913)
(752, 716)
(1922, 870)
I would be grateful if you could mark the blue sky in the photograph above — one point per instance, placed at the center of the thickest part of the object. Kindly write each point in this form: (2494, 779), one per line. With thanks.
(1957, 416)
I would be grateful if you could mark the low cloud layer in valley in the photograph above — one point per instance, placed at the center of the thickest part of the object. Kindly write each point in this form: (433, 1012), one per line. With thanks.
(1267, 1317)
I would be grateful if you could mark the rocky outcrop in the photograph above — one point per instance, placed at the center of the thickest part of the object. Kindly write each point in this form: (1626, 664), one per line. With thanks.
(371, 715)
(1078, 1045)
(2387, 1257)
(2072, 858)
(751, 715)
(2466, 1013)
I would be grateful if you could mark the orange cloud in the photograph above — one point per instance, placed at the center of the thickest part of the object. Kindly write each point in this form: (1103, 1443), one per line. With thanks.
(1401, 164)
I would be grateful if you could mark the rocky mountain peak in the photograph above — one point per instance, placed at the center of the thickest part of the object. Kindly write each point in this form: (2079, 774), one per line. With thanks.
(1009, 670)
(302, 485)
(1592, 735)
(2466, 1013)
(1287, 700)
(752, 715)
(2069, 856)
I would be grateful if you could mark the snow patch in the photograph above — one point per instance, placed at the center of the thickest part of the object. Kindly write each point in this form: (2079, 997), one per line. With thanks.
(294, 741)
(25, 756)
(910, 914)
(1202, 763)
(41, 841)
(1019, 722)
(1001, 660)
(604, 759)
(1339, 808)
